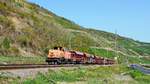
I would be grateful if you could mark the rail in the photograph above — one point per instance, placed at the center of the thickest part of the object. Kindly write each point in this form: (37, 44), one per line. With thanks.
(28, 66)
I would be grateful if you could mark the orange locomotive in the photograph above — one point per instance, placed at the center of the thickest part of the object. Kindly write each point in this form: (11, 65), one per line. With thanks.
(60, 56)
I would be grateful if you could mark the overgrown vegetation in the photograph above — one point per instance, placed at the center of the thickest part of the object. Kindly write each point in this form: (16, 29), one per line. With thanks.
(140, 77)
(21, 60)
(6, 80)
(90, 75)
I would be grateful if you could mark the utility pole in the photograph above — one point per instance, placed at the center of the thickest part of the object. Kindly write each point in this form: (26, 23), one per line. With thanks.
(107, 55)
(116, 50)
(70, 41)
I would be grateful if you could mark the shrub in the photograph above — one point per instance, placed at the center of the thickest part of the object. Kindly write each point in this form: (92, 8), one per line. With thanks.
(14, 50)
(140, 77)
(135, 74)
(6, 43)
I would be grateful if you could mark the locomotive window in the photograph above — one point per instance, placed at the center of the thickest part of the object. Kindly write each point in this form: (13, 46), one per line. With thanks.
(55, 48)
(60, 48)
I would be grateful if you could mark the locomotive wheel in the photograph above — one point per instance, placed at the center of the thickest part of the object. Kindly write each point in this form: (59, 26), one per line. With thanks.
(49, 63)
(55, 63)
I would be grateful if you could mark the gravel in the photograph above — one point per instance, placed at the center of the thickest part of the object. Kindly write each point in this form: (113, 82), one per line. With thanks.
(23, 73)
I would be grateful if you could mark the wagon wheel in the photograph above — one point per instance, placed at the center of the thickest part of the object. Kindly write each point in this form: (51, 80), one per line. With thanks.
(49, 63)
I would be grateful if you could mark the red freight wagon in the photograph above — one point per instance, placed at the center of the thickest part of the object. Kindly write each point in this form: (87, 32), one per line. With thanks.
(90, 59)
(98, 60)
(109, 61)
(77, 57)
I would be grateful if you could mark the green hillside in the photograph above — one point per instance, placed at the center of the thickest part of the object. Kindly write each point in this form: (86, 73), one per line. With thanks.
(27, 29)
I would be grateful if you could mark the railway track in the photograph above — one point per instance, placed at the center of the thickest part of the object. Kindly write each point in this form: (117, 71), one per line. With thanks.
(28, 66)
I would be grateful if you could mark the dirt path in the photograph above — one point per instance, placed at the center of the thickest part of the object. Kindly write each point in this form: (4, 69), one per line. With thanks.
(25, 73)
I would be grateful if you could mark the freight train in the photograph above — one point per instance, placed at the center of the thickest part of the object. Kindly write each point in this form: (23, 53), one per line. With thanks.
(60, 56)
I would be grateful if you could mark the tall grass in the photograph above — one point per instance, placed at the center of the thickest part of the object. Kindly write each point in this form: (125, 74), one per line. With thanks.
(91, 75)
(21, 60)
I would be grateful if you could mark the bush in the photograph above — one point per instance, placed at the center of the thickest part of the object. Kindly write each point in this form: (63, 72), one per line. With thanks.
(14, 50)
(140, 77)
(6, 43)
(135, 74)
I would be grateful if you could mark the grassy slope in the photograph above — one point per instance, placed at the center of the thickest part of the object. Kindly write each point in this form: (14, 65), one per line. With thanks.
(21, 60)
(27, 40)
(91, 75)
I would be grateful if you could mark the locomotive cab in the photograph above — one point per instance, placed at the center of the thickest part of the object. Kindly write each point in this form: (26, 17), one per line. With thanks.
(59, 48)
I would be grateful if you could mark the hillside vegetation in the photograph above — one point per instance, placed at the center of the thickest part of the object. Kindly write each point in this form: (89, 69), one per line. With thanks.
(83, 75)
(27, 29)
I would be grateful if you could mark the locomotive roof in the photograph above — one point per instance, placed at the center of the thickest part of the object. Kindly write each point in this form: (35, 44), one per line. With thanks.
(80, 53)
(77, 52)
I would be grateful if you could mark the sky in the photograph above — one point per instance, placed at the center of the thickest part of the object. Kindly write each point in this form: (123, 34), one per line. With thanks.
(131, 18)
